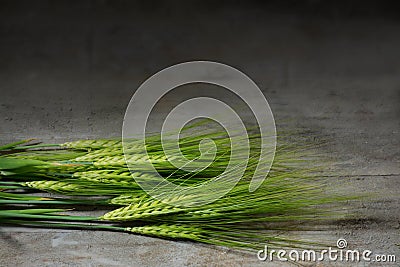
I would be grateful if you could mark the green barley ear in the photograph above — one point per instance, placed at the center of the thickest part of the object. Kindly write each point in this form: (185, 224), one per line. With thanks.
(173, 231)
(141, 211)
(55, 186)
(127, 199)
(92, 144)
(119, 177)
(79, 187)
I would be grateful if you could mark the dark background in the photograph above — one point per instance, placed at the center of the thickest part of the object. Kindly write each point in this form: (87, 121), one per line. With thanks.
(69, 68)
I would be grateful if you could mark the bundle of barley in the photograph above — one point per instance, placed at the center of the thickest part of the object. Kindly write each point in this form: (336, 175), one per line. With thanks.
(94, 173)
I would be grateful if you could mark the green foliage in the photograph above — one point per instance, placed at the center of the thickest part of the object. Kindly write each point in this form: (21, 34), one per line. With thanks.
(94, 172)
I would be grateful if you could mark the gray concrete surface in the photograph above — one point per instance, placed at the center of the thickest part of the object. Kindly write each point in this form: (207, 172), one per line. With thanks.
(68, 70)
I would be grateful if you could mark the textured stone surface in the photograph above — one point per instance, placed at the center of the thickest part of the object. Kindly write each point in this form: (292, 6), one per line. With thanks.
(68, 70)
